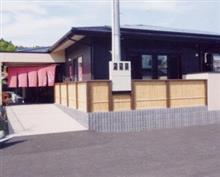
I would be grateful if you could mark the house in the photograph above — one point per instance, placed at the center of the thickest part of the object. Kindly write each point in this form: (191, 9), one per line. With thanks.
(84, 53)
(170, 68)
(154, 52)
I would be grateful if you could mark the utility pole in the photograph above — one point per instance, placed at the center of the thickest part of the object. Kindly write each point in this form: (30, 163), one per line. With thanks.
(116, 43)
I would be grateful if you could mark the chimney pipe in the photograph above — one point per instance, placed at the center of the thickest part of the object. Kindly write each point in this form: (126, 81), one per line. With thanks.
(116, 43)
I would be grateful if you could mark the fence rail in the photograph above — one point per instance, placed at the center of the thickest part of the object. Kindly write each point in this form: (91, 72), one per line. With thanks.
(97, 96)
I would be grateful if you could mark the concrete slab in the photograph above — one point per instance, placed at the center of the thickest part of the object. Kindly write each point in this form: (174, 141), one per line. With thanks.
(40, 119)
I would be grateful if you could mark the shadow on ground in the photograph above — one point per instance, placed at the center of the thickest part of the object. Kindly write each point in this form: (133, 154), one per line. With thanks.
(11, 143)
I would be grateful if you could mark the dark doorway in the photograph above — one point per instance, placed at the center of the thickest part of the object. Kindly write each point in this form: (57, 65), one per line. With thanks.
(174, 67)
(136, 69)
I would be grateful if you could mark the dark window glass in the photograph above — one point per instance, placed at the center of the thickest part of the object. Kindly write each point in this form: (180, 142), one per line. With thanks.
(162, 66)
(147, 66)
(115, 66)
(121, 66)
(126, 66)
(216, 62)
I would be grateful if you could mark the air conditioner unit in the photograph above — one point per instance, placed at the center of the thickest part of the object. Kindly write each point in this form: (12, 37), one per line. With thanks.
(120, 75)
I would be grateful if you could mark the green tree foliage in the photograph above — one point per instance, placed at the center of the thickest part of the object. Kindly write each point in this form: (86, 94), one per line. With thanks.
(6, 46)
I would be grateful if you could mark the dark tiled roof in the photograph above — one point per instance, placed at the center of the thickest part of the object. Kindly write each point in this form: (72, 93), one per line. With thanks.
(33, 50)
(166, 29)
(143, 30)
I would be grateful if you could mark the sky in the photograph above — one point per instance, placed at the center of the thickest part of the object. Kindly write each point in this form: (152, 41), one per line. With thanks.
(41, 23)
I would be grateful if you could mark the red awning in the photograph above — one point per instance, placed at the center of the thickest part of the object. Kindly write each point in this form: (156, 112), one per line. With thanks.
(35, 76)
(12, 78)
(32, 77)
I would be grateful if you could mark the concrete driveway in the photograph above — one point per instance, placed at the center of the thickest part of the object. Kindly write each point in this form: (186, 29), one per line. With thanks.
(40, 119)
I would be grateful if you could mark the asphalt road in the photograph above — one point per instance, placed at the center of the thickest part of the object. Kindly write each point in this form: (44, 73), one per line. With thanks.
(188, 152)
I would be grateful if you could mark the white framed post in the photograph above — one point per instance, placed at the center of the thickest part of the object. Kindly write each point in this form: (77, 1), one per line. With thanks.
(119, 71)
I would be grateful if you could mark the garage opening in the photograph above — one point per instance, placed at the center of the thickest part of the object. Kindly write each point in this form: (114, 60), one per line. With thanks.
(31, 84)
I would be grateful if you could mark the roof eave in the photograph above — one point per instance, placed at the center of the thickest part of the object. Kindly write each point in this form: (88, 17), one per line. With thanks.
(60, 41)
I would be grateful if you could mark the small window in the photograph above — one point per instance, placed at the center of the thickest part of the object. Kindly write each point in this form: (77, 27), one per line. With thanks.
(121, 66)
(115, 66)
(126, 66)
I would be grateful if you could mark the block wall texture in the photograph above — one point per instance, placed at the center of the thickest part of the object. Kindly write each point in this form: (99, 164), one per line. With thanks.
(139, 120)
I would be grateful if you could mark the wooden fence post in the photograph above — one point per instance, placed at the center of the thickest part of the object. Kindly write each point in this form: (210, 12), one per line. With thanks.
(88, 92)
(110, 101)
(60, 93)
(168, 94)
(206, 92)
(54, 94)
(133, 98)
(67, 94)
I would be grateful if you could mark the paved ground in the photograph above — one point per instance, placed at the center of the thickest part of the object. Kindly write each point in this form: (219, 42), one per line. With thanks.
(40, 119)
(188, 152)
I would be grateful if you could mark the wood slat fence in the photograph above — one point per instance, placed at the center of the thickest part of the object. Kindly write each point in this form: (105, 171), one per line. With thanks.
(97, 96)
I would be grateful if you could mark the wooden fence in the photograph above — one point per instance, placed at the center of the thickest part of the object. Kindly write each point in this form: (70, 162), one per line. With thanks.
(97, 96)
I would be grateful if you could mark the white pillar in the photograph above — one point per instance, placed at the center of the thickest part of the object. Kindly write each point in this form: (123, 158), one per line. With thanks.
(116, 43)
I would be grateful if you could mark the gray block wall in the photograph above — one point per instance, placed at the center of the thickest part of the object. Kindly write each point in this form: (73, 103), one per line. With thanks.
(138, 120)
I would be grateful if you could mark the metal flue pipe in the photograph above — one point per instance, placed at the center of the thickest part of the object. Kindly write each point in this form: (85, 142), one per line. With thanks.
(116, 43)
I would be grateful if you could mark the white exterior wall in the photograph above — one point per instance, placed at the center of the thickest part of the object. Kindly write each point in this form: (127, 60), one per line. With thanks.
(10, 57)
(213, 81)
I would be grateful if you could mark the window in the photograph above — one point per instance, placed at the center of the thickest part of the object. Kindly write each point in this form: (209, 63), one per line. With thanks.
(147, 66)
(162, 66)
(80, 68)
(121, 66)
(216, 62)
(126, 66)
(115, 66)
(146, 61)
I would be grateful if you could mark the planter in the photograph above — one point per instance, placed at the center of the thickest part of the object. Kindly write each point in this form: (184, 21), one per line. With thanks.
(2, 134)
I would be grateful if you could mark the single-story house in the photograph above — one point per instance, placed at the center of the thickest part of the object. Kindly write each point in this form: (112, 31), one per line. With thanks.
(161, 68)
(154, 52)
(83, 54)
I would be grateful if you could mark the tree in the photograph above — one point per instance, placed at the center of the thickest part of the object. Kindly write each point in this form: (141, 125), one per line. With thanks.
(6, 46)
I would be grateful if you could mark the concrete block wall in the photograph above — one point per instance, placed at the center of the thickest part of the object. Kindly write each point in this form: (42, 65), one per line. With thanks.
(139, 120)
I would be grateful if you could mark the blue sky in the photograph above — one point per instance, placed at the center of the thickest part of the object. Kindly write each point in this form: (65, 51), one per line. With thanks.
(43, 22)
